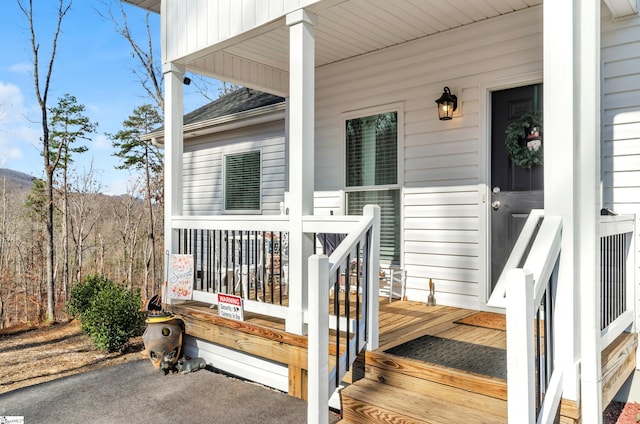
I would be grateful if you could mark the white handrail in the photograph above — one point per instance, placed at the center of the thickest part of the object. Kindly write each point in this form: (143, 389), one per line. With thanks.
(322, 270)
(525, 288)
(544, 254)
(497, 298)
(232, 222)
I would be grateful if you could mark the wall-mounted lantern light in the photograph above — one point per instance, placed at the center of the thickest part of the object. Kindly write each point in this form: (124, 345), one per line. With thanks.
(447, 103)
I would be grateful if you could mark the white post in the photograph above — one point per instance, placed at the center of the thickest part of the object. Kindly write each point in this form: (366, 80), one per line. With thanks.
(520, 351)
(373, 303)
(560, 118)
(587, 174)
(173, 148)
(318, 352)
(301, 159)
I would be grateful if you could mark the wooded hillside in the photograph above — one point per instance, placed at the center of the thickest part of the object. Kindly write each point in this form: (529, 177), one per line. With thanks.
(107, 235)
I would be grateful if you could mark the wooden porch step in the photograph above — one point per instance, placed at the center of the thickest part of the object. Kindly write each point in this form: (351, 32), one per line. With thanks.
(369, 402)
(406, 373)
(402, 390)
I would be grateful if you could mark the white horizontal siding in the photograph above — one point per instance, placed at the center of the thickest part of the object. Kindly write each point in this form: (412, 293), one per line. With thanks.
(203, 189)
(197, 24)
(443, 168)
(620, 147)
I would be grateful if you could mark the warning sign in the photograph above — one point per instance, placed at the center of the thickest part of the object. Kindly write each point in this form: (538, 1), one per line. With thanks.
(230, 307)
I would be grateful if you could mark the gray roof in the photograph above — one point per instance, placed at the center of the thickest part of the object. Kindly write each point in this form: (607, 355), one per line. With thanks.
(240, 100)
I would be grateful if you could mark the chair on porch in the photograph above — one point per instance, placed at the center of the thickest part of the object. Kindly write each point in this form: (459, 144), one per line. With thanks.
(393, 282)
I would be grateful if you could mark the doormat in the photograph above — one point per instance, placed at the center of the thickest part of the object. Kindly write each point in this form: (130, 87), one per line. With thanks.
(485, 320)
(484, 360)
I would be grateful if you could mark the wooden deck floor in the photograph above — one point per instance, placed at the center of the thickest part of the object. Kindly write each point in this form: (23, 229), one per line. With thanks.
(401, 322)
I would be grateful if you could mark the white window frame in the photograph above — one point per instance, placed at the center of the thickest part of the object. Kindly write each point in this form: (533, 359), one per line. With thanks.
(376, 110)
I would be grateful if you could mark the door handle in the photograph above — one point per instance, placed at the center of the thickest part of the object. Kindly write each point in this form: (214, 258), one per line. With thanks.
(495, 205)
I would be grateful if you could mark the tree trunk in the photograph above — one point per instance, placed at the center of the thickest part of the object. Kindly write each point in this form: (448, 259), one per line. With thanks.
(51, 312)
(65, 231)
(152, 236)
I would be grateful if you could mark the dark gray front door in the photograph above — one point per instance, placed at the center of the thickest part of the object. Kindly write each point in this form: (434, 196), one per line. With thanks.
(515, 190)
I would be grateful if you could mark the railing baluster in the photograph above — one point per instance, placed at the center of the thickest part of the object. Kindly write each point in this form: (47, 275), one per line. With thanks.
(336, 312)
(358, 298)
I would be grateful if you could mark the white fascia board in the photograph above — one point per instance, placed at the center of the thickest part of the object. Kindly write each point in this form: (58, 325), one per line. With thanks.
(225, 123)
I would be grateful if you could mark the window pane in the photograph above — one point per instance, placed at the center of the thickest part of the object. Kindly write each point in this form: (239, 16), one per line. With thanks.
(389, 202)
(242, 181)
(372, 150)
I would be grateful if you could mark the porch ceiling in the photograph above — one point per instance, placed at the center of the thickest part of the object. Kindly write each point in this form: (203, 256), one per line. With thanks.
(344, 29)
(357, 27)
(349, 29)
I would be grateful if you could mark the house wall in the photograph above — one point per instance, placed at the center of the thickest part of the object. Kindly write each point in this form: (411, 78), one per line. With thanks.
(203, 190)
(444, 170)
(620, 147)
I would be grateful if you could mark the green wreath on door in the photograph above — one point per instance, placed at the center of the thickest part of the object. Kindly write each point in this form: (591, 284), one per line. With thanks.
(524, 140)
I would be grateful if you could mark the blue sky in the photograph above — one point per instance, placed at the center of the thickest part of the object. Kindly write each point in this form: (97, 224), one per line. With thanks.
(93, 63)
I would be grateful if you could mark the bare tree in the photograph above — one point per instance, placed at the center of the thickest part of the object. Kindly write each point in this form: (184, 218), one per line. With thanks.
(85, 214)
(42, 93)
(149, 73)
(128, 217)
(68, 125)
(142, 155)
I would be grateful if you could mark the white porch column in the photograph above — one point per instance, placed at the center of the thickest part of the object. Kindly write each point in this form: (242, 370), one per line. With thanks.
(173, 148)
(588, 207)
(560, 118)
(572, 134)
(301, 159)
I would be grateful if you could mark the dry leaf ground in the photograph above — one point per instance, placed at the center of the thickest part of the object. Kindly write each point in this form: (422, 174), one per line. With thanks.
(30, 356)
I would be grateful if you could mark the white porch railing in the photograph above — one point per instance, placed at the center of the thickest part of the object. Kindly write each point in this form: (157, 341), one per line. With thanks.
(237, 255)
(534, 385)
(616, 276)
(350, 275)
(526, 288)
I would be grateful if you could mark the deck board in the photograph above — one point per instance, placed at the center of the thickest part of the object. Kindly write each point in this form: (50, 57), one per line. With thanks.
(399, 322)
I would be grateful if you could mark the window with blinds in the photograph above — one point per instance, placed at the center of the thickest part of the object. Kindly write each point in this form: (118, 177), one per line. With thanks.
(372, 150)
(372, 175)
(242, 182)
(389, 201)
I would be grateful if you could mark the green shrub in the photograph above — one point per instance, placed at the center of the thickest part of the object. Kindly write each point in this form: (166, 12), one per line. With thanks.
(81, 294)
(108, 312)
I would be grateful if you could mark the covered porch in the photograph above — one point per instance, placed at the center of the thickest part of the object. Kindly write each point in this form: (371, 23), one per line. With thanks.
(402, 359)
(340, 61)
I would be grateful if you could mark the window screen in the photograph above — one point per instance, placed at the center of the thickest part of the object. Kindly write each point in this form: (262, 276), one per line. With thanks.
(372, 150)
(372, 163)
(389, 201)
(242, 181)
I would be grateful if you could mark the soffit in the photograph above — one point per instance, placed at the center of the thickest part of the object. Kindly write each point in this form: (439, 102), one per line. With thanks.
(357, 27)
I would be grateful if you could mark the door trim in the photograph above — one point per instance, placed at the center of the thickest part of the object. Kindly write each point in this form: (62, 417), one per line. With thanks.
(484, 129)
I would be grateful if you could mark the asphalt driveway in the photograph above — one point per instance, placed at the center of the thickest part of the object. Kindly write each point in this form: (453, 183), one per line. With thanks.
(135, 392)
